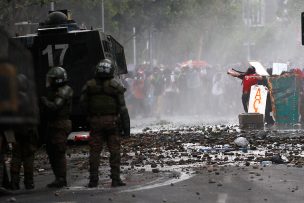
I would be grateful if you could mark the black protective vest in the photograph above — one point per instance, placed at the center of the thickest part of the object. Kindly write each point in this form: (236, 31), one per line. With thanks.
(66, 93)
(102, 98)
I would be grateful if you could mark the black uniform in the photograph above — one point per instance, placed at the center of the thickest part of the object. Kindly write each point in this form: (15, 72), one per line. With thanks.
(58, 106)
(103, 99)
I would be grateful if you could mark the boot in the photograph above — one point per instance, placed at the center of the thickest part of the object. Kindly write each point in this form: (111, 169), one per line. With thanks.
(115, 176)
(15, 179)
(28, 165)
(58, 183)
(93, 181)
(29, 181)
(117, 183)
(29, 186)
(59, 169)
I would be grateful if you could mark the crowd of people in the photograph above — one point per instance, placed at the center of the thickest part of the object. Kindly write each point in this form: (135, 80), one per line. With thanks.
(181, 90)
(196, 91)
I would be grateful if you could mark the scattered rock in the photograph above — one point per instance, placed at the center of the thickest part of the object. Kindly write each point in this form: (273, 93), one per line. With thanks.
(12, 199)
(241, 142)
(277, 159)
(153, 165)
(146, 129)
(212, 181)
(210, 169)
(155, 170)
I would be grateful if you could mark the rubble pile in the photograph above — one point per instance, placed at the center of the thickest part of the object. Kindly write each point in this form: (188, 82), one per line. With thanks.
(222, 144)
(160, 148)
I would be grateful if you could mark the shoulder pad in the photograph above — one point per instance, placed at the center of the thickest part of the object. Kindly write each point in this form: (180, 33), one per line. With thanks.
(65, 92)
(117, 85)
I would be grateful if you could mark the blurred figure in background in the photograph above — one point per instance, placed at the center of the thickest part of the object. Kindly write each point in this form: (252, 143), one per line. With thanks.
(157, 83)
(170, 97)
(182, 85)
(139, 93)
(194, 96)
(218, 92)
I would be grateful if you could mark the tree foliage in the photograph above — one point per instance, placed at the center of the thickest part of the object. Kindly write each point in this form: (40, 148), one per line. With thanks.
(176, 29)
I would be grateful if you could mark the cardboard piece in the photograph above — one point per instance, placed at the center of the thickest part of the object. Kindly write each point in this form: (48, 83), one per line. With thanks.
(259, 68)
(278, 68)
(257, 99)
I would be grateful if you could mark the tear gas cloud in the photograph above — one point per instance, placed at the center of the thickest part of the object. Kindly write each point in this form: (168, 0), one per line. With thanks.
(213, 31)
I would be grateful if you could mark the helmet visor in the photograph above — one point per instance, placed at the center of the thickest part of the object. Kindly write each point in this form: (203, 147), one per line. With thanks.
(104, 67)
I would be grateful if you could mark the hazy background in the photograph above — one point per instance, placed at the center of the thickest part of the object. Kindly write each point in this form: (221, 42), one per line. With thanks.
(172, 31)
(169, 32)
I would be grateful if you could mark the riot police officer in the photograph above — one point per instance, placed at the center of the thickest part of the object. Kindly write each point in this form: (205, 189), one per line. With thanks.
(26, 141)
(23, 154)
(15, 111)
(103, 100)
(57, 106)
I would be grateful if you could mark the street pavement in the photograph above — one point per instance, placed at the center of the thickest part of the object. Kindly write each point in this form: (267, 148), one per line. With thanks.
(218, 184)
(183, 164)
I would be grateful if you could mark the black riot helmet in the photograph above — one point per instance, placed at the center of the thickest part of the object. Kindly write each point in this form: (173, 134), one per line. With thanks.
(56, 18)
(105, 69)
(56, 76)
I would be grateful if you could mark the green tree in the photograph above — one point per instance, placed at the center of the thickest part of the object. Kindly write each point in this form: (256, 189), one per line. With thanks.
(206, 29)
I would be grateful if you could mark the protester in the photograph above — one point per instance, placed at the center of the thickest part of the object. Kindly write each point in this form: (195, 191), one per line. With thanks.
(139, 93)
(248, 79)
